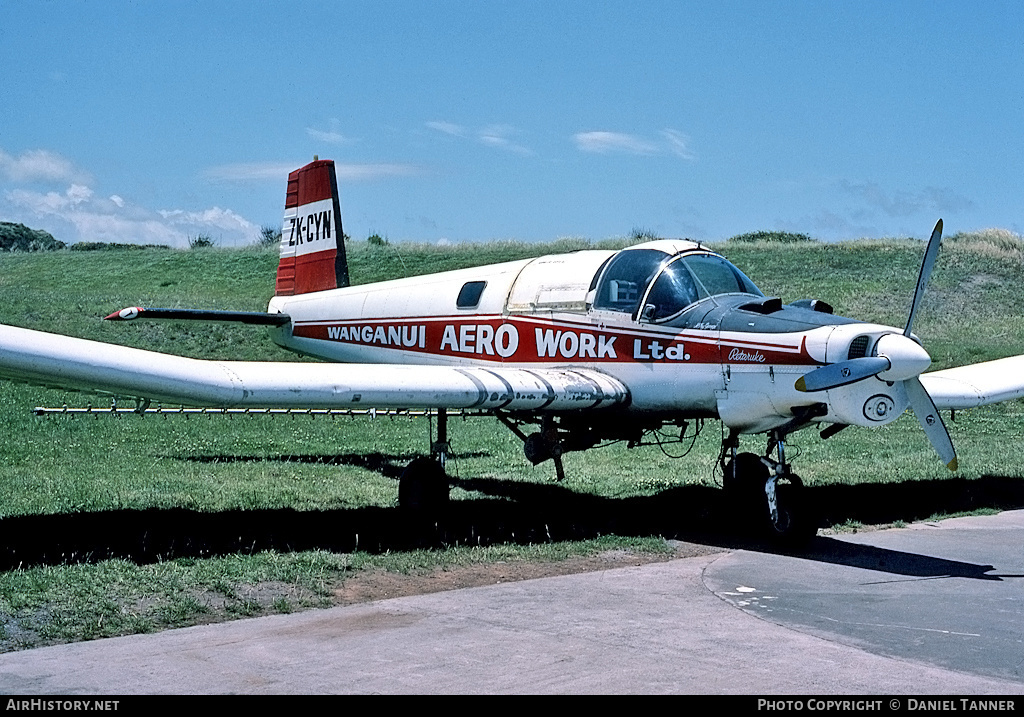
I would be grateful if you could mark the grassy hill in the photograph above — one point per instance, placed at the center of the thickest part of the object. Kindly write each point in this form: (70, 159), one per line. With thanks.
(112, 526)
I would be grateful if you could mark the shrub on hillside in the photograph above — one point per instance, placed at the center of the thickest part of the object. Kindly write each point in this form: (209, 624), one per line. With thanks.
(997, 243)
(773, 237)
(18, 237)
(108, 246)
(269, 236)
(640, 234)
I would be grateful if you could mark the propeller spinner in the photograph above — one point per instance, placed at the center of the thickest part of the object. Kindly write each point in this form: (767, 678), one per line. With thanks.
(899, 358)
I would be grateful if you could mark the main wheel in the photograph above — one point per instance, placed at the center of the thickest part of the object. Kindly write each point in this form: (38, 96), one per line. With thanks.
(743, 484)
(745, 474)
(423, 485)
(745, 481)
(794, 524)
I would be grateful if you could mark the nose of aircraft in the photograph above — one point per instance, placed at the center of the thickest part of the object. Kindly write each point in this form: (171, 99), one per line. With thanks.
(907, 358)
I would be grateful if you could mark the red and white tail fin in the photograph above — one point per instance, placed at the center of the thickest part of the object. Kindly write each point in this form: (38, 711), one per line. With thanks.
(312, 242)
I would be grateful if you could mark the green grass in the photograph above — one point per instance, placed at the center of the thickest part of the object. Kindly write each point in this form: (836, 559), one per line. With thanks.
(114, 526)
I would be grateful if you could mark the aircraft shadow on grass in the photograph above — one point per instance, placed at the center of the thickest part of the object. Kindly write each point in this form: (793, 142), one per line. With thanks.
(500, 511)
(389, 465)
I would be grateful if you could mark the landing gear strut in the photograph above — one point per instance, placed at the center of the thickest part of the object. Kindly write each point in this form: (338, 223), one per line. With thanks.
(423, 486)
(767, 491)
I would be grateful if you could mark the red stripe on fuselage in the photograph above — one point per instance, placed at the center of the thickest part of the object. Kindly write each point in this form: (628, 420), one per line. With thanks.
(520, 340)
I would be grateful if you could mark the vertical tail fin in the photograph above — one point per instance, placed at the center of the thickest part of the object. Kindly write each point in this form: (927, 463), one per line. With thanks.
(312, 242)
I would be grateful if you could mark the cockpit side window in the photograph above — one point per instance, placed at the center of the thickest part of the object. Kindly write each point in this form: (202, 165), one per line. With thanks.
(626, 279)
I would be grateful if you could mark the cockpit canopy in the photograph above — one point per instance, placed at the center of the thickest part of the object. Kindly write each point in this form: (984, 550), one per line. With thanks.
(664, 284)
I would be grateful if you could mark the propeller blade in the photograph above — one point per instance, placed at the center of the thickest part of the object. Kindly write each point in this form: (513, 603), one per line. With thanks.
(931, 421)
(842, 373)
(930, 253)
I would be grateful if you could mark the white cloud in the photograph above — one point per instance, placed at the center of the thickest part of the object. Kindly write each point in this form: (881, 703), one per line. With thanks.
(678, 143)
(368, 172)
(214, 218)
(498, 135)
(93, 226)
(78, 194)
(249, 171)
(604, 142)
(328, 137)
(454, 130)
(51, 202)
(77, 214)
(85, 218)
(40, 165)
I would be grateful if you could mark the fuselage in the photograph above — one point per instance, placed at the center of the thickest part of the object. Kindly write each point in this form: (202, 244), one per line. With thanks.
(686, 331)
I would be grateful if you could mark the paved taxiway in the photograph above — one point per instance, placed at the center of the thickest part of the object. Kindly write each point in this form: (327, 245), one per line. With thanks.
(930, 609)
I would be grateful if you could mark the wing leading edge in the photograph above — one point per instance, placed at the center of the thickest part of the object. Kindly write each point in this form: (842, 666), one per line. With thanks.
(976, 385)
(79, 364)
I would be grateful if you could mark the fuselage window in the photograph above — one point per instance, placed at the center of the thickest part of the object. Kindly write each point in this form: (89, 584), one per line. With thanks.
(626, 279)
(469, 295)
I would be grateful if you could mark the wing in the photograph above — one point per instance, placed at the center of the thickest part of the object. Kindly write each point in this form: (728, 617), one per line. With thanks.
(976, 385)
(65, 362)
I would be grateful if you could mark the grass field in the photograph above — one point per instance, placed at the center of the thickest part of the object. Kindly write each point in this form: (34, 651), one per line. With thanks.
(112, 526)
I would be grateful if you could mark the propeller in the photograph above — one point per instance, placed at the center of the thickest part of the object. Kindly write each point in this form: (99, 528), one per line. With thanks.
(930, 420)
(899, 358)
(930, 253)
(843, 373)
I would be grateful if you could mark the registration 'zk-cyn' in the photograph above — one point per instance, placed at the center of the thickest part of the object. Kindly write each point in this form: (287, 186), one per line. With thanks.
(587, 346)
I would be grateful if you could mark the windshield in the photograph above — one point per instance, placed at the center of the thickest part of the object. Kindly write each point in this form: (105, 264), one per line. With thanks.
(718, 276)
(688, 279)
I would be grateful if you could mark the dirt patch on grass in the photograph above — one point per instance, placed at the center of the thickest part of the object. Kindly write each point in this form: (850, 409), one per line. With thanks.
(113, 617)
(370, 585)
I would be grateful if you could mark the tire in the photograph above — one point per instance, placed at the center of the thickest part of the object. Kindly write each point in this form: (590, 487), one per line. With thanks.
(745, 474)
(743, 486)
(744, 483)
(423, 486)
(796, 523)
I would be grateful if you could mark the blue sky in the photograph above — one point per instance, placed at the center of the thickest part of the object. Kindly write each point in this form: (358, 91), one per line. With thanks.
(471, 121)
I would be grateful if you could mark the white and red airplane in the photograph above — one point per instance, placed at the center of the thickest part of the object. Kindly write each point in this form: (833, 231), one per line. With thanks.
(588, 346)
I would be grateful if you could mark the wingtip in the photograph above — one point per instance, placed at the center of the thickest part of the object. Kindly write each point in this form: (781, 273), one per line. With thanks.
(800, 385)
(953, 464)
(127, 314)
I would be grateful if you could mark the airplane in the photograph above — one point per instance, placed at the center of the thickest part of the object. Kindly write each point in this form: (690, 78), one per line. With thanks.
(566, 350)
